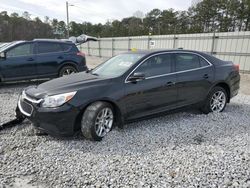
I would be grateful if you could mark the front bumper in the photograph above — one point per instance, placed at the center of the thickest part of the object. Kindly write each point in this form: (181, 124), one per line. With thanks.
(59, 122)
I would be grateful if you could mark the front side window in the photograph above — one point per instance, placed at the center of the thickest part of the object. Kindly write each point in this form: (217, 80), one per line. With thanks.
(48, 47)
(157, 65)
(117, 65)
(21, 50)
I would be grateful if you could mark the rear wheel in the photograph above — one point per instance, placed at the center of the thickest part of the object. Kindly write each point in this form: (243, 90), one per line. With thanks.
(216, 100)
(67, 70)
(97, 120)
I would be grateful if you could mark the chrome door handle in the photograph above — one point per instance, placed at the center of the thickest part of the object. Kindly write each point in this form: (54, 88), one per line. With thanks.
(170, 84)
(30, 59)
(205, 76)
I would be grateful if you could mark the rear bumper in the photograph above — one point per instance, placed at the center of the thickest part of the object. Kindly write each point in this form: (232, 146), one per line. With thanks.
(235, 86)
(82, 68)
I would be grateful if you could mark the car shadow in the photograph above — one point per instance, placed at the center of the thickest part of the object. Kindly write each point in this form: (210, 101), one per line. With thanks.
(183, 129)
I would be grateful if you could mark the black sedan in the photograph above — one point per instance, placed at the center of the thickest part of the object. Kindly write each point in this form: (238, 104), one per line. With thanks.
(127, 87)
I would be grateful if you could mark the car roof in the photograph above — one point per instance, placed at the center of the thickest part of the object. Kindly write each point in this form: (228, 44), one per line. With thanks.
(207, 56)
(155, 51)
(54, 40)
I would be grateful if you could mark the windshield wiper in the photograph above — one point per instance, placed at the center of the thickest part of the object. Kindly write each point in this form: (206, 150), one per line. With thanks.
(90, 71)
(94, 74)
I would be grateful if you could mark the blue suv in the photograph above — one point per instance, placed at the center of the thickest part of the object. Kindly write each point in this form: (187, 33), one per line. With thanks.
(40, 58)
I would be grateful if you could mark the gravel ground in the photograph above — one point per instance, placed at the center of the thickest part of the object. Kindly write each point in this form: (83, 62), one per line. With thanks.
(185, 149)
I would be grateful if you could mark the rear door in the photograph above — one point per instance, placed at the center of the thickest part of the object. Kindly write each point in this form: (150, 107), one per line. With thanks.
(20, 62)
(49, 56)
(194, 77)
(157, 92)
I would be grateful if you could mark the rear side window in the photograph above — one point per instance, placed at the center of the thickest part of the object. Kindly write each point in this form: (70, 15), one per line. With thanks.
(203, 62)
(48, 47)
(66, 47)
(21, 50)
(157, 65)
(185, 62)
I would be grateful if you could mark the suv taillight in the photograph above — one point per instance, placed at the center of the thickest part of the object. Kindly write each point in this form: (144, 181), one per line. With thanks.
(237, 67)
(81, 54)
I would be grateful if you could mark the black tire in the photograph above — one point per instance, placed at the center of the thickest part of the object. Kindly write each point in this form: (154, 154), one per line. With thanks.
(70, 69)
(89, 118)
(207, 108)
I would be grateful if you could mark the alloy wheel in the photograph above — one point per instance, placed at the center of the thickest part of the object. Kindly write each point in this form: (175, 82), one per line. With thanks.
(218, 101)
(68, 71)
(104, 122)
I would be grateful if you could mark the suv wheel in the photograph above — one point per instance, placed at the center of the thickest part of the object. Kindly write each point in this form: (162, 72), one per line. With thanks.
(67, 70)
(216, 100)
(97, 121)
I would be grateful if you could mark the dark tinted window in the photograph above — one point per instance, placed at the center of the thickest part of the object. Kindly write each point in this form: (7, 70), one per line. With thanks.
(48, 47)
(187, 62)
(157, 65)
(203, 62)
(21, 50)
(66, 47)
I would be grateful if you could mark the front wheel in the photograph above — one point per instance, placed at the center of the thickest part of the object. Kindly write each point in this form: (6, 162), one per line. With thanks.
(216, 100)
(97, 120)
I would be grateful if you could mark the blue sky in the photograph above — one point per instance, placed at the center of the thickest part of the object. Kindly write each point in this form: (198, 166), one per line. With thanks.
(95, 11)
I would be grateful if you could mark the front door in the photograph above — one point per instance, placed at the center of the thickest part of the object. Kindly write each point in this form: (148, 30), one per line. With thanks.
(155, 93)
(20, 62)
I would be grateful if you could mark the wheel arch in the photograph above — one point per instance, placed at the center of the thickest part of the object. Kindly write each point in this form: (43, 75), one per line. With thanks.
(225, 86)
(119, 121)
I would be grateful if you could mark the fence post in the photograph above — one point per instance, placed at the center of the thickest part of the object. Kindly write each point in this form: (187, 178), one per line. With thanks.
(112, 43)
(149, 42)
(175, 42)
(99, 48)
(88, 49)
(214, 43)
(129, 44)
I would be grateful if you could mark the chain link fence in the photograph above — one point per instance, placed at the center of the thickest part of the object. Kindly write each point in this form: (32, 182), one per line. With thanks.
(230, 46)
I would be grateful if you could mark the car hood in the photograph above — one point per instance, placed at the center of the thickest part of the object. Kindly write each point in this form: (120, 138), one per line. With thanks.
(66, 84)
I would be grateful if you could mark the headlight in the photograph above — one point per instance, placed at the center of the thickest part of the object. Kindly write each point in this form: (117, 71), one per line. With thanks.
(57, 100)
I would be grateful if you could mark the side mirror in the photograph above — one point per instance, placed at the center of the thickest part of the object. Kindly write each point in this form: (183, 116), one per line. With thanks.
(138, 76)
(2, 55)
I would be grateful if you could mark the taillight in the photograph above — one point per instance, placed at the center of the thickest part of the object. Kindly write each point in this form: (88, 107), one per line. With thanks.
(81, 54)
(237, 67)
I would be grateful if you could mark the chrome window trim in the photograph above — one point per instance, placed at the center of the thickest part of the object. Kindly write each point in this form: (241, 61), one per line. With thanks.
(161, 75)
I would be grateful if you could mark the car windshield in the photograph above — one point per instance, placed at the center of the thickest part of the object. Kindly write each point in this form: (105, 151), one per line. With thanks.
(8, 45)
(117, 65)
(3, 45)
